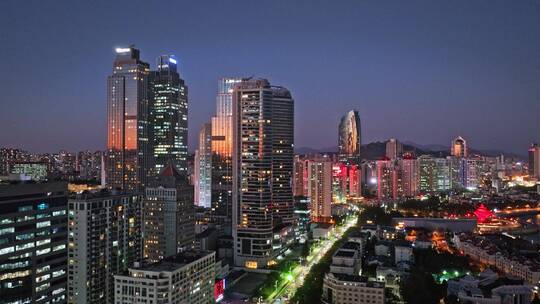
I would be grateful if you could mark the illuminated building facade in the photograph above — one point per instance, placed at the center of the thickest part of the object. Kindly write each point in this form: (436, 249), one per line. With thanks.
(221, 171)
(534, 161)
(300, 179)
(348, 181)
(36, 171)
(168, 117)
(33, 243)
(128, 156)
(469, 173)
(104, 239)
(387, 179)
(408, 176)
(459, 147)
(394, 148)
(185, 278)
(434, 174)
(168, 215)
(263, 119)
(203, 168)
(349, 138)
(319, 189)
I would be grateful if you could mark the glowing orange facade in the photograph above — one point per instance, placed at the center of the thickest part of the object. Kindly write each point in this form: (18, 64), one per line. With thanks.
(127, 119)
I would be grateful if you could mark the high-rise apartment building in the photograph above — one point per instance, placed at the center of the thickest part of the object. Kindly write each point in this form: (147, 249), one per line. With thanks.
(168, 215)
(186, 278)
(203, 168)
(263, 120)
(319, 189)
(459, 147)
(408, 176)
(300, 179)
(104, 240)
(33, 243)
(168, 115)
(534, 161)
(387, 179)
(394, 148)
(128, 159)
(349, 138)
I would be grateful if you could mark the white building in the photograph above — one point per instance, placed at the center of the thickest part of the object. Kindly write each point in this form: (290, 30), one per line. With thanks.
(339, 288)
(347, 259)
(185, 278)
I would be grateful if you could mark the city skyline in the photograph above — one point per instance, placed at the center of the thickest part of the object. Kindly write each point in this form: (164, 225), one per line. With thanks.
(435, 63)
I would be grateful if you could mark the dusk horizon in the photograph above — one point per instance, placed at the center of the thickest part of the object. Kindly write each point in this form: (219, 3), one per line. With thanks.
(424, 75)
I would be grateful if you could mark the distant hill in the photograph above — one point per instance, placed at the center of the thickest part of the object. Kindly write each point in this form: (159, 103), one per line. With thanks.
(376, 150)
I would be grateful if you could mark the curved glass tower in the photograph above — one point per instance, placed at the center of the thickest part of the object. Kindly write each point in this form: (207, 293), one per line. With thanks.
(349, 138)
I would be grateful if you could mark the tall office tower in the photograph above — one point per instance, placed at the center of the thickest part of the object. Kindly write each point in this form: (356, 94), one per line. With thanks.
(534, 161)
(455, 166)
(262, 168)
(168, 215)
(394, 148)
(221, 180)
(387, 179)
(186, 278)
(320, 189)
(128, 156)
(427, 174)
(33, 243)
(300, 179)
(104, 240)
(203, 168)
(349, 138)
(442, 175)
(168, 115)
(409, 176)
(469, 173)
(459, 147)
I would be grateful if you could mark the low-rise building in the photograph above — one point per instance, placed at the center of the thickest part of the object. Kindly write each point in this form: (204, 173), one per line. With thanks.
(481, 249)
(340, 288)
(347, 259)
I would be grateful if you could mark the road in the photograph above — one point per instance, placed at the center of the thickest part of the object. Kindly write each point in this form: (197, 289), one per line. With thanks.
(295, 278)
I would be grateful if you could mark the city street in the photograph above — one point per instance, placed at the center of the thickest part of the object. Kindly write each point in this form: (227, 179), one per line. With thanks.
(295, 278)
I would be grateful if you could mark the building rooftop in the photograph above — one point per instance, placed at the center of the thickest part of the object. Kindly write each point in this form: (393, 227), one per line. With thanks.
(357, 279)
(174, 262)
(344, 253)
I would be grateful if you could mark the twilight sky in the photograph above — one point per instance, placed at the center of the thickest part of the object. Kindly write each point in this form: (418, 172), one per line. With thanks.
(422, 71)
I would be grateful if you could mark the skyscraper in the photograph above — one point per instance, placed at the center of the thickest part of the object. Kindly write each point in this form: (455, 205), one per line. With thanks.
(408, 176)
(104, 240)
(168, 215)
(534, 161)
(168, 123)
(221, 179)
(203, 168)
(320, 189)
(459, 147)
(127, 121)
(33, 243)
(349, 138)
(300, 179)
(263, 120)
(394, 148)
(387, 179)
